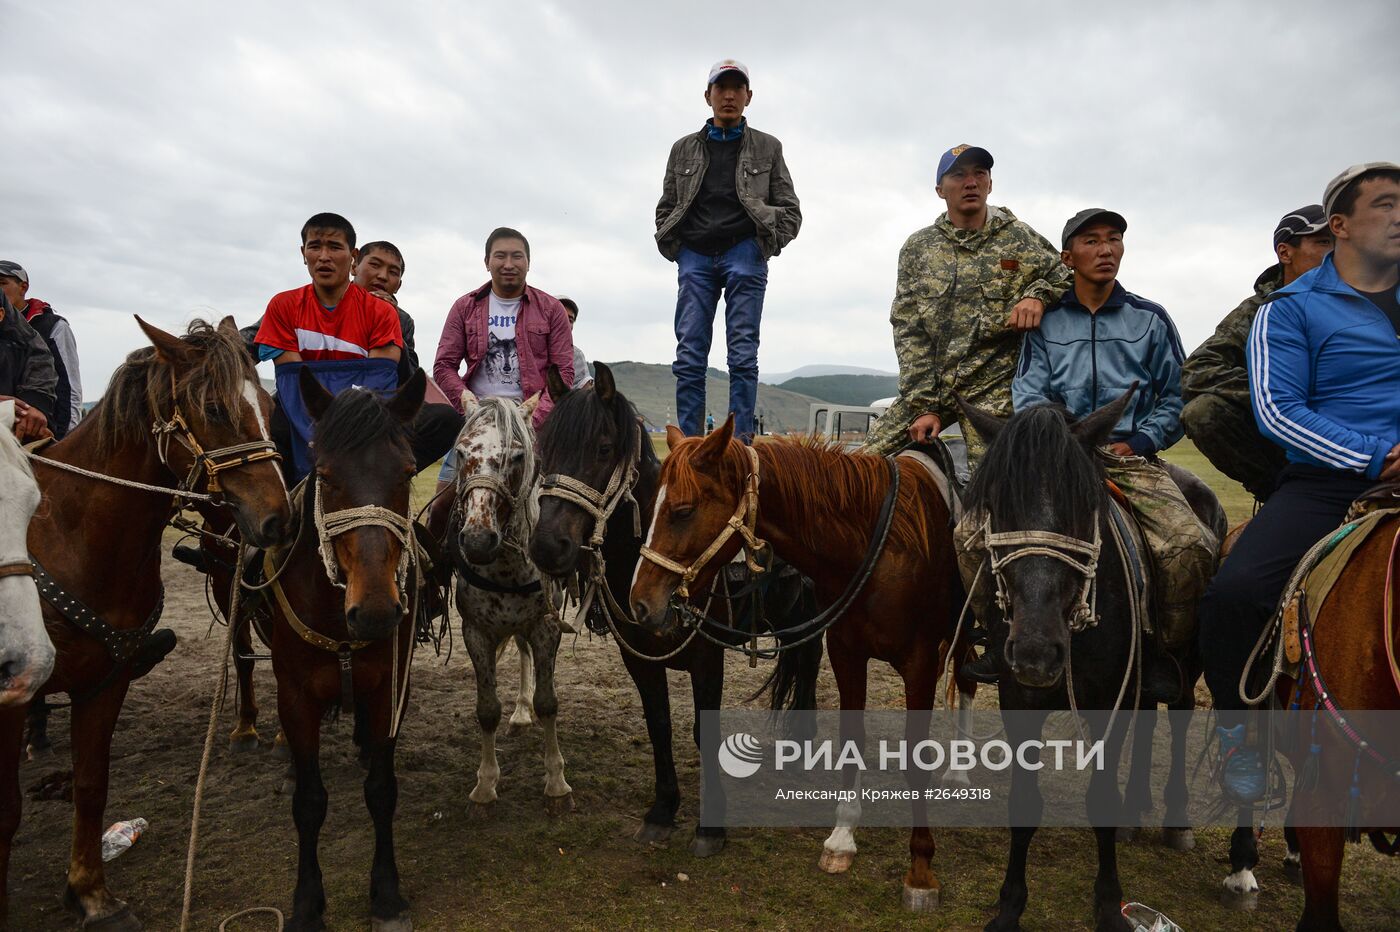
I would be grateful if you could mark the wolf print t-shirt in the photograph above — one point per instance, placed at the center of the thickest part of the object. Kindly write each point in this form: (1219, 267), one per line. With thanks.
(499, 372)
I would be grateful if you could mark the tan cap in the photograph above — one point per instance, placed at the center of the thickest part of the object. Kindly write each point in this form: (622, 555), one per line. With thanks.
(1337, 185)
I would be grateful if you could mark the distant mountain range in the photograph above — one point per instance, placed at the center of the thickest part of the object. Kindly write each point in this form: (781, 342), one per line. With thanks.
(652, 389)
(845, 389)
(816, 369)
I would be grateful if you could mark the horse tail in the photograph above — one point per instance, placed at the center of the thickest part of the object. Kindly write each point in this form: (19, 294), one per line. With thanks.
(792, 685)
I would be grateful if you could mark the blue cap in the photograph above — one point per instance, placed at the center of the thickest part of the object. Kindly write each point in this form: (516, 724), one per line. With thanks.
(959, 155)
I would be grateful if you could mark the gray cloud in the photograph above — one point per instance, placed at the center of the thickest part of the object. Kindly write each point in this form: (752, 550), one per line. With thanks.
(162, 158)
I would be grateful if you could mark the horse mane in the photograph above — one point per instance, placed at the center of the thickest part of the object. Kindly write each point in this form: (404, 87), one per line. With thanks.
(505, 418)
(843, 490)
(356, 418)
(569, 435)
(1035, 451)
(140, 388)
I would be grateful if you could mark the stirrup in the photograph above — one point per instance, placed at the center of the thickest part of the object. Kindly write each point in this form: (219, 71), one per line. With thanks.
(191, 556)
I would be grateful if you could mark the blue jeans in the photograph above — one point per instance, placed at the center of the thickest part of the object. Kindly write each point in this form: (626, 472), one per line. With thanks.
(742, 274)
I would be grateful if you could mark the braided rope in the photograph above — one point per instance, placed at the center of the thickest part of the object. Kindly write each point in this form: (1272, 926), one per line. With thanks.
(332, 525)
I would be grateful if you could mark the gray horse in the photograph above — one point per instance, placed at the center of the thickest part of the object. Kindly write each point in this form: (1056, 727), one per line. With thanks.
(500, 594)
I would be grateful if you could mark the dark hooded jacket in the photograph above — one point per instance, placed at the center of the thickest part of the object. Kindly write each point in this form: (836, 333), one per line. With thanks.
(26, 366)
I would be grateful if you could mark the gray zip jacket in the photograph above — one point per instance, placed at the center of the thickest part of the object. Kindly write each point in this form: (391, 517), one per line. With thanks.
(764, 187)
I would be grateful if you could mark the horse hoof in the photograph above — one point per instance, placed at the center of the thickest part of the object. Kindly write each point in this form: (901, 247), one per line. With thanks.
(120, 919)
(920, 899)
(1126, 834)
(43, 751)
(706, 846)
(1179, 839)
(1246, 901)
(400, 923)
(480, 812)
(280, 751)
(288, 786)
(518, 726)
(559, 805)
(1293, 870)
(652, 834)
(242, 744)
(836, 862)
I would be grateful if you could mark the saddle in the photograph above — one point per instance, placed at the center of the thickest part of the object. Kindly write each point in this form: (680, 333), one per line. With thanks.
(1312, 581)
(937, 460)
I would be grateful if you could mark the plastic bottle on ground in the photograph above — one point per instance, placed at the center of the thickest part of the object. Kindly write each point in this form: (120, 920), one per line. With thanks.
(1146, 919)
(120, 836)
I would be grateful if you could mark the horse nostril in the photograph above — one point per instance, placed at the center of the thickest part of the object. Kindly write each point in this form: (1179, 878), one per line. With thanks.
(352, 617)
(1059, 654)
(639, 613)
(1010, 652)
(272, 528)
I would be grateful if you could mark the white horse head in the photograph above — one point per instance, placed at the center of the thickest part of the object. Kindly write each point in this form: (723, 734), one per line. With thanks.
(26, 653)
(496, 476)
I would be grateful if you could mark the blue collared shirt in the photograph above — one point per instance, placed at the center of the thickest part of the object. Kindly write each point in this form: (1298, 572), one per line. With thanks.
(721, 134)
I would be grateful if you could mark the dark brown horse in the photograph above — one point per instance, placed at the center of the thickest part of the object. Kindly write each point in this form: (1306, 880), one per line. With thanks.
(342, 623)
(189, 410)
(1353, 647)
(819, 508)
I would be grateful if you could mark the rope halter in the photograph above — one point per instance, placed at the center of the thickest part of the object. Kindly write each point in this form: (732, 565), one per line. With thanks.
(1080, 555)
(742, 522)
(331, 525)
(209, 462)
(601, 505)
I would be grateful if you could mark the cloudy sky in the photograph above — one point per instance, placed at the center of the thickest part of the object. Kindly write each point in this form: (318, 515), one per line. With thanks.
(160, 157)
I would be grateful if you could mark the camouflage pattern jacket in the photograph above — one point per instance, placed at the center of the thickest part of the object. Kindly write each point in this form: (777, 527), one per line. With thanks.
(954, 292)
(1217, 367)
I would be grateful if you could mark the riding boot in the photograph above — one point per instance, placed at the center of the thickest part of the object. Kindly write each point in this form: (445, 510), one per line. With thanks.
(152, 651)
(191, 556)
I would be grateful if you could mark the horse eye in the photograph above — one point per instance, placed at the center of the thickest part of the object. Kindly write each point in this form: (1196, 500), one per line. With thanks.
(682, 512)
(604, 450)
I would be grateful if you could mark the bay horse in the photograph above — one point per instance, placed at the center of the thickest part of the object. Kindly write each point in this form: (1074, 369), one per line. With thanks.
(593, 447)
(184, 412)
(501, 594)
(1064, 604)
(26, 653)
(820, 509)
(342, 628)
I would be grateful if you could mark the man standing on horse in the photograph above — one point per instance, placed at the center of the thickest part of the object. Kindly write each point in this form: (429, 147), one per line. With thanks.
(727, 206)
(1217, 416)
(1324, 363)
(968, 286)
(1092, 345)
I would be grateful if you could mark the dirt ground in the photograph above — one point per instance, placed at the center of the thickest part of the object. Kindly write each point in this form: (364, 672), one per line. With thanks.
(520, 868)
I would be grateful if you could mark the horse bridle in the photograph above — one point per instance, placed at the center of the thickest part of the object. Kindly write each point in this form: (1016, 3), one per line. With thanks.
(741, 522)
(209, 462)
(601, 505)
(1080, 555)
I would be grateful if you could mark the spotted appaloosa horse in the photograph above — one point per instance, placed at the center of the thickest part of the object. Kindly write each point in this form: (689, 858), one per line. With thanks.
(100, 542)
(26, 653)
(820, 509)
(500, 592)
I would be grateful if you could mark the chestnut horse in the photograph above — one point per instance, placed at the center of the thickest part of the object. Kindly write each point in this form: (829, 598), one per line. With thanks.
(819, 508)
(188, 411)
(1350, 655)
(342, 604)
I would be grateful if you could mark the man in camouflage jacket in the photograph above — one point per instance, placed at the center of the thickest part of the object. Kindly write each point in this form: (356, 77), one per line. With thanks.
(1218, 417)
(968, 286)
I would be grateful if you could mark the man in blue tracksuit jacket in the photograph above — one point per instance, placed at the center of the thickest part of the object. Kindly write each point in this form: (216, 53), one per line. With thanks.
(1092, 345)
(1324, 367)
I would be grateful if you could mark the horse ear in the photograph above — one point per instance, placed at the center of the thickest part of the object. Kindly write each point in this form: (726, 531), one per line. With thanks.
(169, 347)
(409, 398)
(987, 424)
(229, 328)
(603, 382)
(468, 401)
(554, 382)
(673, 436)
(713, 446)
(527, 407)
(1094, 429)
(313, 394)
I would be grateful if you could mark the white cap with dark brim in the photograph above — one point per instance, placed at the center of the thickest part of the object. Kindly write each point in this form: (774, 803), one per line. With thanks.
(1339, 184)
